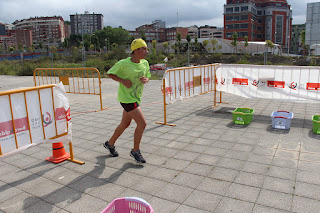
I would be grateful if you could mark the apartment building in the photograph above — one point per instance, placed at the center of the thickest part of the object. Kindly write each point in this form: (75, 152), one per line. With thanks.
(210, 32)
(2, 29)
(313, 24)
(260, 20)
(48, 31)
(296, 47)
(86, 23)
(151, 32)
(171, 33)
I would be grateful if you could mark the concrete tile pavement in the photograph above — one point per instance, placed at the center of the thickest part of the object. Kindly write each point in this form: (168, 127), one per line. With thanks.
(204, 164)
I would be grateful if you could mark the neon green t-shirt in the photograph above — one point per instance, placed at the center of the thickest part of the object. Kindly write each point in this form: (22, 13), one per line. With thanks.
(128, 70)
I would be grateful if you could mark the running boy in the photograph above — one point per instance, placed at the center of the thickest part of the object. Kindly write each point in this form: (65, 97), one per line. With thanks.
(131, 73)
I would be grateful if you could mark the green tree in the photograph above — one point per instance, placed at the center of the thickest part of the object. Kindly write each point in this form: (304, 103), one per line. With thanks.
(166, 46)
(143, 35)
(205, 43)
(234, 40)
(178, 40)
(303, 42)
(196, 43)
(246, 42)
(214, 42)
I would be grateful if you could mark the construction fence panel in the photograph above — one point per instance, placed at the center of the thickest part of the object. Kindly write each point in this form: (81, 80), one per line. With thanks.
(187, 82)
(86, 80)
(292, 83)
(31, 116)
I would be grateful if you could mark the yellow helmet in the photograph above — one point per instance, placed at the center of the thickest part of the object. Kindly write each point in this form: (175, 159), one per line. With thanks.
(138, 43)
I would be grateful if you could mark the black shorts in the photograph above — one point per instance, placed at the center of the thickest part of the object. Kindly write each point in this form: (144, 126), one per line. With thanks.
(129, 107)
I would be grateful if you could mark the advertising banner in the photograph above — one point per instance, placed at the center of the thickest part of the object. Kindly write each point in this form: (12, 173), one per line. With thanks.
(292, 83)
(32, 117)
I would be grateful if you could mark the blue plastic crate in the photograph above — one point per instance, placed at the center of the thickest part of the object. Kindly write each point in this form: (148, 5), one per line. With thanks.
(281, 119)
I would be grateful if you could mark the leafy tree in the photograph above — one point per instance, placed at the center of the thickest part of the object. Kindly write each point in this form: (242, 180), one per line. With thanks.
(234, 40)
(246, 41)
(196, 43)
(303, 42)
(205, 43)
(178, 39)
(214, 42)
(154, 44)
(143, 35)
(166, 46)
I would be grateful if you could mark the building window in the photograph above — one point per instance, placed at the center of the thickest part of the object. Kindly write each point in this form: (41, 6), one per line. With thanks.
(229, 9)
(244, 8)
(244, 26)
(244, 17)
(229, 35)
(229, 26)
(279, 29)
(236, 18)
(259, 12)
(236, 9)
(229, 18)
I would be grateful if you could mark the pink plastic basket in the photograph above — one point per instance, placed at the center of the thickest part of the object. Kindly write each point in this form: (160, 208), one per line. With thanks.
(128, 205)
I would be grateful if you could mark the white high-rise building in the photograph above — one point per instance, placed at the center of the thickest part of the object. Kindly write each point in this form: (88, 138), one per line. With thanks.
(313, 24)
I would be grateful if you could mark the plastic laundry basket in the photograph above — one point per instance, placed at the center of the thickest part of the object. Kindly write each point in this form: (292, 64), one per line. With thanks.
(242, 116)
(281, 119)
(128, 205)
(316, 124)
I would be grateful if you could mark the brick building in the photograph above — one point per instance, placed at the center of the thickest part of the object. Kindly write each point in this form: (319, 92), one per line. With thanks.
(260, 20)
(49, 31)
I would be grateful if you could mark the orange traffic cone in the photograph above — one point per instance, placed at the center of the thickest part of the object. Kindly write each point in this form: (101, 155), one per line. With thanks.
(58, 153)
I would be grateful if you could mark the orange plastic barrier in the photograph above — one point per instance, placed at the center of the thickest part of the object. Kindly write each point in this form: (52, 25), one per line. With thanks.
(187, 82)
(83, 80)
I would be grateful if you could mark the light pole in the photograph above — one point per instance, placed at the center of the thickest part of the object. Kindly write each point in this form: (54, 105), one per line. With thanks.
(24, 33)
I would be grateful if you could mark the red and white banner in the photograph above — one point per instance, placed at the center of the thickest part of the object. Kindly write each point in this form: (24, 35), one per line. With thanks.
(28, 126)
(292, 83)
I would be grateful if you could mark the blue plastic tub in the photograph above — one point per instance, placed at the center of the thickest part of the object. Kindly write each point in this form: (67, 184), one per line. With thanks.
(281, 119)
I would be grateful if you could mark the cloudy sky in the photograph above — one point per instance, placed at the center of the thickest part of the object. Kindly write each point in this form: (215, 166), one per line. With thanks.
(131, 14)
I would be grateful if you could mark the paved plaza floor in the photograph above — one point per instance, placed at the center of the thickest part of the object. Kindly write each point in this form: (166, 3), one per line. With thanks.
(203, 164)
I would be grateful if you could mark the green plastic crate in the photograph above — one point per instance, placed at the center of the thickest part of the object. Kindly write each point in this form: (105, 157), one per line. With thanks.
(242, 116)
(316, 124)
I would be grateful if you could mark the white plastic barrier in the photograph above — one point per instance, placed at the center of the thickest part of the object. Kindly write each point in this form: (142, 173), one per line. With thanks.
(292, 83)
(32, 116)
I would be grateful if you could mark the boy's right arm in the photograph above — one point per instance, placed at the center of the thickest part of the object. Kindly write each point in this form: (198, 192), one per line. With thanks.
(126, 83)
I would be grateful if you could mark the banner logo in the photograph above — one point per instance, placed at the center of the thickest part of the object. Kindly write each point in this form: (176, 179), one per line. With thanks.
(255, 83)
(47, 120)
(223, 80)
(240, 81)
(313, 86)
(293, 86)
(276, 84)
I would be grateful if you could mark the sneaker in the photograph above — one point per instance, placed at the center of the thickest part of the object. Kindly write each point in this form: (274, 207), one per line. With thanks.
(112, 149)
(137, 156)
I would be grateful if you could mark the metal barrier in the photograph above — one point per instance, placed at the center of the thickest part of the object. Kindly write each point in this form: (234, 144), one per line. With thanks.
(186, 82)
(83, 80)
(29, 117)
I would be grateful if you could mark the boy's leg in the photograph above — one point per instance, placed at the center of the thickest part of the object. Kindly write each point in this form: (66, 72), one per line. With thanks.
(125, 122)
(138, 117)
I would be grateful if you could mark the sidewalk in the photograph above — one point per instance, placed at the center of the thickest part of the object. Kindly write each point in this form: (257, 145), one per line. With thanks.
(204, 164)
